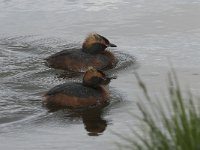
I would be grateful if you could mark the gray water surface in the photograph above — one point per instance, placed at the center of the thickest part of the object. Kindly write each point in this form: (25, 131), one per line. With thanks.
(155, 33)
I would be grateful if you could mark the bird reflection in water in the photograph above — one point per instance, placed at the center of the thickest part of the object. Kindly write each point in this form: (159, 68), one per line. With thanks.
(92, 118)
(93, 122)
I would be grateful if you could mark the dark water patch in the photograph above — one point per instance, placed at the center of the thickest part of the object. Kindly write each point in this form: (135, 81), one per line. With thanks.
(33, 45)
(6, 74)
(16, 115)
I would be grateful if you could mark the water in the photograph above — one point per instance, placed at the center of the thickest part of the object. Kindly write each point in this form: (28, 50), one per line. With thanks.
(156, 33)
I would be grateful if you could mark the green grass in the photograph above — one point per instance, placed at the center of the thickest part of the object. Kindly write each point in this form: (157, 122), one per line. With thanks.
(172, 126)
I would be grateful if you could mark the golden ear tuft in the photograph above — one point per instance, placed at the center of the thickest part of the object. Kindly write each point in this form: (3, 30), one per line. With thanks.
(90, 68)
(93, 36)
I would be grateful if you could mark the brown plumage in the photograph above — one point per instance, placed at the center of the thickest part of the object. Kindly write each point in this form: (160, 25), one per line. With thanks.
(90, 92)
(92, 53)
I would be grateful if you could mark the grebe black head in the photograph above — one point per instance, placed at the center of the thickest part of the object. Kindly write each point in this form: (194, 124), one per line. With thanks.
(95, 43)
(95, 78)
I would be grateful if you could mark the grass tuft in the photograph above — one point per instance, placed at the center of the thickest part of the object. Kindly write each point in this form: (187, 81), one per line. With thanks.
(178, 128)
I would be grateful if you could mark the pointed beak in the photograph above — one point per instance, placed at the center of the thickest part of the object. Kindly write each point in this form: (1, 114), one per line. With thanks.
(112, 45)
(107, 80)
(112, 77)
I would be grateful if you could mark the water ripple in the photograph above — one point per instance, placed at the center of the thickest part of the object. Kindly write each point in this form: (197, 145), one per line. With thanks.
(25, 78)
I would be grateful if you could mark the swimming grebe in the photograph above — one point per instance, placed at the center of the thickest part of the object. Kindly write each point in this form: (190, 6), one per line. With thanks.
(92, 91)
(92, 53)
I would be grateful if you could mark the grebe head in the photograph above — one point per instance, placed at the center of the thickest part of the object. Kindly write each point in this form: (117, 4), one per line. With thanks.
(95, 43)
(95, 78)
